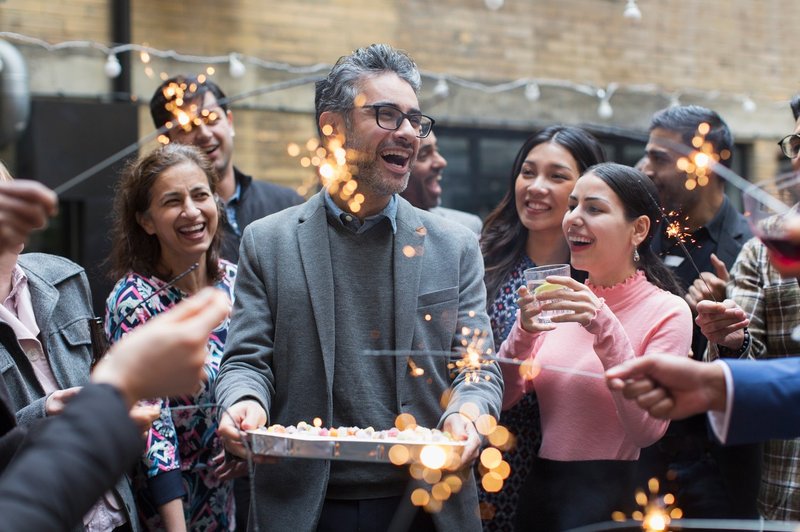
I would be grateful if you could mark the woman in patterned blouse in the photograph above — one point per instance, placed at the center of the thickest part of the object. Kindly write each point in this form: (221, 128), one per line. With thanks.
(166, 220)
(524, 231)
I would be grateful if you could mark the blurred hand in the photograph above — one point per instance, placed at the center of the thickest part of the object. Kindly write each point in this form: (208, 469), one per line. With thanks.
(670, 387)
(24, 206)
(244, 415)
(229, 469)
(722, 323)
(165, 356)
(462, 429)
(708, 287)
(143, 414)
(56, 401)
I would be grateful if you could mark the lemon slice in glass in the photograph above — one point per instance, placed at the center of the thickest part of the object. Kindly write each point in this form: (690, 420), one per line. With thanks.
(546, 287)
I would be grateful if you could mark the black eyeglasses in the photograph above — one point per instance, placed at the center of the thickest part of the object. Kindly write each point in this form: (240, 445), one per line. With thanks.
(790, 145)
(390, 118)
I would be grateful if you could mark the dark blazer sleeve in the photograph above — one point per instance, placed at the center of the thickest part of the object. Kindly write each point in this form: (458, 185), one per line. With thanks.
(766, 395)
(68, 464)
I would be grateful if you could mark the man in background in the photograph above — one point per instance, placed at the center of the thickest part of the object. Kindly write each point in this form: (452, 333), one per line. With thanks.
(424, 189)
(212, 131)
(709, 481)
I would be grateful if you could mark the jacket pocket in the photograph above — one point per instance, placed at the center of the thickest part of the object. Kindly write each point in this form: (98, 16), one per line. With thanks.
(76, 333)
(437, 297)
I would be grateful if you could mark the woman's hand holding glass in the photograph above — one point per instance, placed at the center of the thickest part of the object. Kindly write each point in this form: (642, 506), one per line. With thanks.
(576, 298)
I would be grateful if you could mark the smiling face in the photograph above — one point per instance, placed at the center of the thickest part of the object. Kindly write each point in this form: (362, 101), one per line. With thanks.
(601, 239)
(182, 215)
(214, 136)
(546, 178)
(382, 158)
(423, 189)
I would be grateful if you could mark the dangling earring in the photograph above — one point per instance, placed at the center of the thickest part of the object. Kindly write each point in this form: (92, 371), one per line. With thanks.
(635, 255)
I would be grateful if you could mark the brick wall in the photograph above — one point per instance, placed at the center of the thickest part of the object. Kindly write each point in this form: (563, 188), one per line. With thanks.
(686, 47)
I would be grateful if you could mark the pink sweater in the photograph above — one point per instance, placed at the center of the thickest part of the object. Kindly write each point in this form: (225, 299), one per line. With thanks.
(581, 418)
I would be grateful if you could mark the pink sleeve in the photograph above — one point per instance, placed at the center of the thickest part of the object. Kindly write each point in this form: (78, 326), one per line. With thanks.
(670, 335)
(519, 344)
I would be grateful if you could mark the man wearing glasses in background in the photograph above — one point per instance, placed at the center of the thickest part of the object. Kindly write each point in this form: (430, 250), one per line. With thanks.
(425, 192)
(346, 272)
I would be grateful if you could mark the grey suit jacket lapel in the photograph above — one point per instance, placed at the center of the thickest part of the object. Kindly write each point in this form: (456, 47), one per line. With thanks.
(409, 243)
(315, 256)
(44, 297)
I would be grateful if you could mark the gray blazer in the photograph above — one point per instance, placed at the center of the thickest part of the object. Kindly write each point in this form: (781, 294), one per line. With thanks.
(62, 305)
(280, 346)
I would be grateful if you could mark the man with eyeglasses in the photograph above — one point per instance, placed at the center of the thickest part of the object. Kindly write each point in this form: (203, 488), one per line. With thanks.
(709, 481)
(425, 192)
(198, 112)
(355, 271)
(771, 301)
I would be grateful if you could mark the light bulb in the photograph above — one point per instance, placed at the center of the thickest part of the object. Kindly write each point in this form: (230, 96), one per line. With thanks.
(532, 92)
(632, 11)
(494, 5)
(604, 110)
(748, 105)
(441, 89)
(112, 67)
(235, 67)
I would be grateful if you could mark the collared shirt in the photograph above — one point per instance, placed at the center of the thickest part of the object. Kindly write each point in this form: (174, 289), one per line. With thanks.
(719, 421)
(772, 303)
(230, 209)
(17, 311)
(353, 224)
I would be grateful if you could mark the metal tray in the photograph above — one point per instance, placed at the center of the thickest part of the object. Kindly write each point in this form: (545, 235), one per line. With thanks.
(330, 448)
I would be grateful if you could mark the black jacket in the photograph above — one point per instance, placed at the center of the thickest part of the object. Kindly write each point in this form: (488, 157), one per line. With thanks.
(256, 200)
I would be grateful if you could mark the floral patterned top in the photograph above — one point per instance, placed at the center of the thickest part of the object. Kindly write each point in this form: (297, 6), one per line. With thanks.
(183, 440)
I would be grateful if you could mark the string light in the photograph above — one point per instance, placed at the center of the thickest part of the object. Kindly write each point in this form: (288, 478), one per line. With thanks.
(632, 11)
(494, 5)
(441, 89)
(532, 92)
(532, 86)
(235, 67)
(112, 67)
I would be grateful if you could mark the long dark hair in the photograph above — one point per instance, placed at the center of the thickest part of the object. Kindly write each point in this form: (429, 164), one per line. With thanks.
(639, 197)
(504, 237)
(132, 249)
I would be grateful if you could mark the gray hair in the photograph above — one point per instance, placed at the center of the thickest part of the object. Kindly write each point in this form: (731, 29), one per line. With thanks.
(338, 91)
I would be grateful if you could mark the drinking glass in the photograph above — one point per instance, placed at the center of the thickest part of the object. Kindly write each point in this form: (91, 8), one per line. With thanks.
(535, 279)
(770, 206)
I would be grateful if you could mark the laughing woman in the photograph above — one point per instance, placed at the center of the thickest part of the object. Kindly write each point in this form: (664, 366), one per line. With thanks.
(166, 249)
(628, 307)
(522, 232)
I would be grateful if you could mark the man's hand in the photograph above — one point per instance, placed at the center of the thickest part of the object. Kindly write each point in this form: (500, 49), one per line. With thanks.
(56, 401)
(722, 323)
(165, 356)
(670, 387)
(462, 429)
(24, 206)
(708, 287)
(244, 415)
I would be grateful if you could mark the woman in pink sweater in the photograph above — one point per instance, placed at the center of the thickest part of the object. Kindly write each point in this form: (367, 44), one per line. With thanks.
(628, 307)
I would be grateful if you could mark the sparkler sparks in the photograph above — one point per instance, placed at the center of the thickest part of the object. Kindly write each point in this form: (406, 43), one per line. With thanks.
(657, 512)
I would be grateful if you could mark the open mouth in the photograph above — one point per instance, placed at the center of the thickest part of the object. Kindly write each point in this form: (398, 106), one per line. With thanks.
(192, 230)
(537, 206)
(396, 158)
(578, 242)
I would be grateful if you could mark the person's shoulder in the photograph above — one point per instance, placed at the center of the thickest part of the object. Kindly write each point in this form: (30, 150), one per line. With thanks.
(468, 219)
(51, 268)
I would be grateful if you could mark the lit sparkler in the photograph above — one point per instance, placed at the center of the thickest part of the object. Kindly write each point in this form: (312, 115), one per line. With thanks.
(657, 512)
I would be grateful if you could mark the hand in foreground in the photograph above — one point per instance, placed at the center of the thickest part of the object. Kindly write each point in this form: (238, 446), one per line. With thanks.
(244, 415)
(143, 414)
(56, 401)
(165, 356)
(670, 387)
(24, 206)
(708, 287)
(227, 469)
(577, 298)
(462, 429)
(722, 323)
